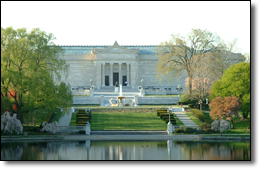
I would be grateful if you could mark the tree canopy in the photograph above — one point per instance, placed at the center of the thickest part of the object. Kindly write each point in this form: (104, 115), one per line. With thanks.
(181, 54)
(225, 108)
(29, 61)
(235, 81)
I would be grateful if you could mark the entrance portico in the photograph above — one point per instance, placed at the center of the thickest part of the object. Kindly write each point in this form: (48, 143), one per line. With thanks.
(124, 67)
(115, 72)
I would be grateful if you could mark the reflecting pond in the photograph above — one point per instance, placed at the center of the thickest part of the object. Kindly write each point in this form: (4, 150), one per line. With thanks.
(125, 150)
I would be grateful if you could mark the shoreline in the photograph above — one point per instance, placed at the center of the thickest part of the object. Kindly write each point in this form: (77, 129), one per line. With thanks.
(125, 138)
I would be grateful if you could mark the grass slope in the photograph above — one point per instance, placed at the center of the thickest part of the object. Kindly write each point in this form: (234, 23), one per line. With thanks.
(126, 121)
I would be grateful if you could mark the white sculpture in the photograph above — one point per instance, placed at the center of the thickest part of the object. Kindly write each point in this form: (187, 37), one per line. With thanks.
(11, 124)
(220, 125)
(121, 91)
(50, 127)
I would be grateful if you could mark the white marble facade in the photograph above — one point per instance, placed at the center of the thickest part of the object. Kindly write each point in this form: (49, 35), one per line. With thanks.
(105, 65)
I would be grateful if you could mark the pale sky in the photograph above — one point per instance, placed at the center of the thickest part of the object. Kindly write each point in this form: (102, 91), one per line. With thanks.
(130, 23)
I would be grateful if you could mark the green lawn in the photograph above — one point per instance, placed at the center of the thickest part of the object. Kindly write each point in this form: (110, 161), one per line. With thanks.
(240, 127)
(126, 121)
(193, 118)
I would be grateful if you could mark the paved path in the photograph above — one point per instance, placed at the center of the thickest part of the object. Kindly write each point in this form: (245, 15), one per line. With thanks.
(184, 118)
(65, 120)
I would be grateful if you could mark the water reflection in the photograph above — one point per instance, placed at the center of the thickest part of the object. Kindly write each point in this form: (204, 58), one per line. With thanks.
(125, 150)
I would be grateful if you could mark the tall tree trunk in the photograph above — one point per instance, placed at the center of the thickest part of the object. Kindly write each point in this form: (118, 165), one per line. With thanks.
(232, 124)
(18, 112)
(190, 83)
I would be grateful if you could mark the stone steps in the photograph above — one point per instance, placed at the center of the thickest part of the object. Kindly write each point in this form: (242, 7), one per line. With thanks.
(185, 119)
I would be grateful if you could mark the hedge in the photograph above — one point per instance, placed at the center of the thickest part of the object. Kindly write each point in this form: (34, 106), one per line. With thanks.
(201, 116)
(173, 121)
(177, 130)
(82, 117)
(159, 111)
(195, 105)
(164, 115)
(188, 130)
(186, 102)
(82, 132)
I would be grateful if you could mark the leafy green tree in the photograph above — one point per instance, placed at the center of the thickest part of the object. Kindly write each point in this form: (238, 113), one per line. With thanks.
(29, 62)
(235, 81)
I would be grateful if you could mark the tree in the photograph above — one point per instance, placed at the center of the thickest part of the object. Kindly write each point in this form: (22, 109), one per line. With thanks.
(29, 61)
(235, 81)
(182, 54)
(225, 56)
(225, 108)
(203, 78)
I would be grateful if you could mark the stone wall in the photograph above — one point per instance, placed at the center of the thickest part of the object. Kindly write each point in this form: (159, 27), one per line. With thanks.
(81, 70)
(86, 100)
(158, 100)
(139, 100)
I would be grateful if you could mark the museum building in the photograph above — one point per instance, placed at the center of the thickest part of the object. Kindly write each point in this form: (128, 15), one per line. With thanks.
(103, 66)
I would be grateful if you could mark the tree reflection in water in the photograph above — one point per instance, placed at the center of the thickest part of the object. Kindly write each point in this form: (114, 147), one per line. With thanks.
(216, 150)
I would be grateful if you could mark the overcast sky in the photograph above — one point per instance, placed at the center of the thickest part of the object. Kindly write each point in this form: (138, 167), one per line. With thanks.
(130, 23)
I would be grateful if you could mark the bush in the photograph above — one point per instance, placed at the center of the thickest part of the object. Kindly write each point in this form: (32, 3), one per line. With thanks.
(188, 130)
(186, 97)
(173, 121)
(193, 105)
(159, 111)
(208, 130)
(204, 125)
(177, 131)
(32, 128)
(197, 106)
(185, 102)
(201, 116)
(166, 115)
(82, 132)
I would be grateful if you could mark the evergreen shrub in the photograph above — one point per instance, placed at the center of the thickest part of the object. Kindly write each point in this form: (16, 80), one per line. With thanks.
(177, 130)
(82, 132)
(188, 130)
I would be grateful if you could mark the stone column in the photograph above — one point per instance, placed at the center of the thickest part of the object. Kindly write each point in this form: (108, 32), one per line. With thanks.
(98, 75)
(120, 73)
(103, 74)
(128, 77)
(134, 76)
(111, 75)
